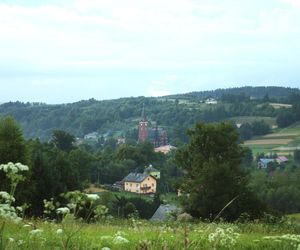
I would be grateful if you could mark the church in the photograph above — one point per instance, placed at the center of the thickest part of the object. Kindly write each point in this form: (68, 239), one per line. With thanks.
(157, 136)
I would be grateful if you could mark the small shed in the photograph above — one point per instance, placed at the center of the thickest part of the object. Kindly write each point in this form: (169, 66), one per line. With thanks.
(282, 160)
(161, 214)
(264, 162)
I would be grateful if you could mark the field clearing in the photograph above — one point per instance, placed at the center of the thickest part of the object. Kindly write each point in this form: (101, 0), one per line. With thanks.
(281, 135)
(280, 105)
(250, 119)
(93, 189)
(282, 141)
(268, 142)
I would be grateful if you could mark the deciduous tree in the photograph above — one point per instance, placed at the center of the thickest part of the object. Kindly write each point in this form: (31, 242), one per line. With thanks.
(213, 174)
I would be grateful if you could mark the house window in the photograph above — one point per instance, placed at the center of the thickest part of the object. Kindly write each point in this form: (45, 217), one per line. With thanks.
(148, 179)
(137, 185)
(130, 185)
(126, 183)
(145, 185)
(152, 184)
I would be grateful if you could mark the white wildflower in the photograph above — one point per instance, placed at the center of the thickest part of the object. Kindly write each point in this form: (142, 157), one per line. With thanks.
(20, 242)
(63, 210)
(13, 168)
(105, 248)
(59, 231)
(20, 209)
(71, 205)
(93, 197)
(35, 232)
(120, 240)
(6, 197)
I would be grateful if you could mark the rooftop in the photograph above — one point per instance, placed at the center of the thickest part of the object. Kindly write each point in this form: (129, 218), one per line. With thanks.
(151, 169)
(135, 177)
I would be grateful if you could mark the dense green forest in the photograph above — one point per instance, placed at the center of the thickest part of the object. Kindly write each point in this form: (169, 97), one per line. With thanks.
(174, 113)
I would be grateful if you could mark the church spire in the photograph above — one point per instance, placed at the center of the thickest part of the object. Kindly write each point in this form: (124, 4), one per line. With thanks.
(144, 118)
(143, 127)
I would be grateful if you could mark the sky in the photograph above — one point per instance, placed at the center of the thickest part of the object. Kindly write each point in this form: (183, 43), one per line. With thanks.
(59, 51)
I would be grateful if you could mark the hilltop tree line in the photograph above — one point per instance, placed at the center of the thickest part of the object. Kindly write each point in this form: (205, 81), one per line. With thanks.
(176, 114)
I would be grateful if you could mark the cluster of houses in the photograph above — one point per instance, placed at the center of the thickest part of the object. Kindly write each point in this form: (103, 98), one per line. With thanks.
(140, 183)
(263, 163)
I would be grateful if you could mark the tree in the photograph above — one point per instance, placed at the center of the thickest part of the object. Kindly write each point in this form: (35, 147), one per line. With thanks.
(213, 174)
(297, 155)
(285, 119)
(63, 140)
(12, 143)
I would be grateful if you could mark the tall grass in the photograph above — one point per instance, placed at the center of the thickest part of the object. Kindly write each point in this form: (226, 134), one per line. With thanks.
(138, 234)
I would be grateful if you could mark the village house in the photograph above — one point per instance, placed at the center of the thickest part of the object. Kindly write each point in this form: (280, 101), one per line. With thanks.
(211, 101)
(140, 183)
(281, 160)
(152, 171)
(164, 149)
(264, 162)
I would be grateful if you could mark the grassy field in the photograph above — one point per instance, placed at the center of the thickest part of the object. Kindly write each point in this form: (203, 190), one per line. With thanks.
(133, 234)
(281, 141)
(280, 105)
(250, 119)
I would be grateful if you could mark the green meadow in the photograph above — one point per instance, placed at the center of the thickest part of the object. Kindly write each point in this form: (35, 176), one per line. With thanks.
(138, 234)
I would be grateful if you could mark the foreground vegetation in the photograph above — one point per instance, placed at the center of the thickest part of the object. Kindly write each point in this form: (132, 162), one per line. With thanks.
(132, 234)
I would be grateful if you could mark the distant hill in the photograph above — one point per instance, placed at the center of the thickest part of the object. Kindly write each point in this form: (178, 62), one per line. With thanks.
(121, 116)
(279, 93)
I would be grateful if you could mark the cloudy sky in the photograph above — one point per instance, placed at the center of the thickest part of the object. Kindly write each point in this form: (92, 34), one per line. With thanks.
(58, 51)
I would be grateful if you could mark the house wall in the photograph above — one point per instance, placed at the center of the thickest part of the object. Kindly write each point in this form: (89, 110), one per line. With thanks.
(149, 182)
(132, 187)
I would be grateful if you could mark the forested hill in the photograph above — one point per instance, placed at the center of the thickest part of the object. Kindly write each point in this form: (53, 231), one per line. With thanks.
(120, 117)
(279, 93)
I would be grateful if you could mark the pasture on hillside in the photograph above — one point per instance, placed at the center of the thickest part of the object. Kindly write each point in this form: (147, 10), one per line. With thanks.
(281, 141)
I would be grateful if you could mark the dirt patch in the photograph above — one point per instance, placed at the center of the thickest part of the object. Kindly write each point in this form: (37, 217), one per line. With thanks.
(281, 135)
(268, 142)
(93, 189)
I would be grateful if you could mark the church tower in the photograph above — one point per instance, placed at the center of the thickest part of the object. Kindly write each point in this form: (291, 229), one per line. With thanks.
(143, 127)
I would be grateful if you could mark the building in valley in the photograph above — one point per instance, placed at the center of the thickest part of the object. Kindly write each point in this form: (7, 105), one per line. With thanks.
(157, 135)
(140, 183)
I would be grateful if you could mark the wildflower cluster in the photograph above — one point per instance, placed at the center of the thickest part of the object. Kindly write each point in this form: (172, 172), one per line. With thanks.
(78, 201)
(225, 238)
(7, 211)
(13, 167)
(49, 206)
(117, 239)
(292, 239)
(12, 172)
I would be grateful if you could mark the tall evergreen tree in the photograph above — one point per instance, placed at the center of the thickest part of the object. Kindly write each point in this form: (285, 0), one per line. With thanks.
(12, 143)
(213, 174)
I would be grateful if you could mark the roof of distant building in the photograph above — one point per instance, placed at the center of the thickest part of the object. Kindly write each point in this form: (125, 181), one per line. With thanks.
(150, 169)
(266, 160)
(282, 159)
(164, 149)
(162, 212)
(136, 177)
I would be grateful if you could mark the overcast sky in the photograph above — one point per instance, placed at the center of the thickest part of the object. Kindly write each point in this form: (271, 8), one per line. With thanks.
(59, 51)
